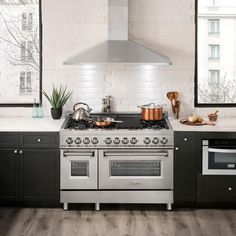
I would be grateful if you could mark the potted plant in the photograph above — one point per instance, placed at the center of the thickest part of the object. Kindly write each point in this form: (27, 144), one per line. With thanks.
(57, 100)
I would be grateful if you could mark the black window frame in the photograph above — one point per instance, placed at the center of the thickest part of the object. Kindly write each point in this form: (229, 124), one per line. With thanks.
(41, 67)
(196, 102)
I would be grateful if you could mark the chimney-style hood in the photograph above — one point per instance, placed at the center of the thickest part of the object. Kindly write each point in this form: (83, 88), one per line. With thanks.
(118, 49)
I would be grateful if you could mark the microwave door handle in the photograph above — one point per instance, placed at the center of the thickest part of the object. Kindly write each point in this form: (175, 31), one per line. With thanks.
(216, 150)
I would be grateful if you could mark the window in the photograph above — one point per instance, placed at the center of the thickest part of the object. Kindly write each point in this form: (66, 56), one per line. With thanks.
(214, 3)
(20, 65)
(27, 21)
(25, 82)
(214, 52)
(214, 26)
(215, 75)
(27, 51)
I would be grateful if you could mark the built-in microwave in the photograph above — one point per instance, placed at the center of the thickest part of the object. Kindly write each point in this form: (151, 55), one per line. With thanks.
(219, 157)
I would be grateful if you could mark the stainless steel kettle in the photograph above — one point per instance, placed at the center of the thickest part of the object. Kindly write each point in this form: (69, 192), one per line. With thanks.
(81, 113)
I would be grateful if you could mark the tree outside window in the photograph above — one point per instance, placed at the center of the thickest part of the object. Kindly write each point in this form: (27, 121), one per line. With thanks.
(20, 51)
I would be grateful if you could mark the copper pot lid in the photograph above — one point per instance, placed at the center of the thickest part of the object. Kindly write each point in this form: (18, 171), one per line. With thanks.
(151, 105)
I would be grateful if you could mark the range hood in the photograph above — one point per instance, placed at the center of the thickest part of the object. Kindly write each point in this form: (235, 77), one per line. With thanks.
(118, 49)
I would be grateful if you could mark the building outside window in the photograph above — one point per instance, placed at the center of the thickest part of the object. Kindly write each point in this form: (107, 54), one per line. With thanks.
(214, 26)
(214, 52)
(216, 57)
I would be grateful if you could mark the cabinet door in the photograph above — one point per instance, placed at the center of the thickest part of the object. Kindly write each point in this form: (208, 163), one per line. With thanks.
(39, 177)
(217, 190)
(8, 176)
(185, 168)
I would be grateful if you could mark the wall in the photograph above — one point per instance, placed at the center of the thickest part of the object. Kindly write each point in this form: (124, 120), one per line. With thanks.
(70, 27)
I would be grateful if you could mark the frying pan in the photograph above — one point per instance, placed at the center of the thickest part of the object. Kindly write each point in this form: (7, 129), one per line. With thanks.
(106, 121)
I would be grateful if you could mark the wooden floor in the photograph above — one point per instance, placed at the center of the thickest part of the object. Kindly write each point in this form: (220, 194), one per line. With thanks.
(115, 220)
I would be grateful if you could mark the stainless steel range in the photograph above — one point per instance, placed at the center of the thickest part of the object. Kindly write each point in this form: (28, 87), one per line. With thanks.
(127, 162)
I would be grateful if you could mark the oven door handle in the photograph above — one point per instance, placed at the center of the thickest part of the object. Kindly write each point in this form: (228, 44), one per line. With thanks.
(77, 153)
(222, 150)
(125, 153)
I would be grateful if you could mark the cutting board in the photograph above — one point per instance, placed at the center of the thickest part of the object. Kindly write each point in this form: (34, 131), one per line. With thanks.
(186, 122)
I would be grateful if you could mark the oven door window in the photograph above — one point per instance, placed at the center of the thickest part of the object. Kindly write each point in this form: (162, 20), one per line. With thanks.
(135, 168)
(219, 160)
(80, 168)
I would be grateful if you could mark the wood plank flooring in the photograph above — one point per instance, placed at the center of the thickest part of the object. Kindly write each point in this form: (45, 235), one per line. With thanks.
(116, 220)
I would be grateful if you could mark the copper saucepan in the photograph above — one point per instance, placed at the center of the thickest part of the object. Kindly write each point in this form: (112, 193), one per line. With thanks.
(151, 112)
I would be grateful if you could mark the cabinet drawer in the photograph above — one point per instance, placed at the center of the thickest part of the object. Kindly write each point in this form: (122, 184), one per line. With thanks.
(8, 140)
(221, 189)
(184, 138)
(39, 140)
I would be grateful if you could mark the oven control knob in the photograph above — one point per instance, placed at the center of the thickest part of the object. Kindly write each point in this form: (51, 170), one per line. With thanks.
(147, 140)
(116, 141)
(77, 141)
(155, 141)
(164, 140)
(108, 141)
(69, 140)
(94, 141)
(133, 140)
(125, 140)
(86, 141)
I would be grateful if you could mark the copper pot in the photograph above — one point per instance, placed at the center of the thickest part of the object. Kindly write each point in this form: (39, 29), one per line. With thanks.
(151, 112)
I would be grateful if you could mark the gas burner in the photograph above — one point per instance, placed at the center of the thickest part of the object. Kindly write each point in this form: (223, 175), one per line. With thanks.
(77, 125)
(160, 124)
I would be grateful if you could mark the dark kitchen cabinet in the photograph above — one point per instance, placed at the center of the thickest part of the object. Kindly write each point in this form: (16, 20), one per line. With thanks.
(8, 176)
(29, 173)
(39, 171)
(215, 190)
(185, 168)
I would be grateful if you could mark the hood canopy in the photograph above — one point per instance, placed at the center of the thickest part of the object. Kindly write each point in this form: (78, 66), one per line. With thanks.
(118, 49)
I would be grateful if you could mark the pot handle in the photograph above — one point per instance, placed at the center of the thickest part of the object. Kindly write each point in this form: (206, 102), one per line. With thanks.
(82, 103)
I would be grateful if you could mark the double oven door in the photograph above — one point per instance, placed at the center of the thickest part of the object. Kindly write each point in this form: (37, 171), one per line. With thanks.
(116, 169)
(79, 169)
(136, 169)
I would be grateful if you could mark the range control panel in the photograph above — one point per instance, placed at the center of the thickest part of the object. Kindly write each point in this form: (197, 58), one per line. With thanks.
(116, 141)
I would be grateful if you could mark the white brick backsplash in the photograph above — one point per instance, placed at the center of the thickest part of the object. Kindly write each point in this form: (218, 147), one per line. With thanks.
(70, 27)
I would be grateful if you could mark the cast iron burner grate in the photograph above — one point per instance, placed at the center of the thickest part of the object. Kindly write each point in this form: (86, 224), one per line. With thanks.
(160, 124)
(80, 125)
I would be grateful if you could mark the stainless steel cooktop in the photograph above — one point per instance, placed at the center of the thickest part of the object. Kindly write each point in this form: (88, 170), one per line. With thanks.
(133, 132)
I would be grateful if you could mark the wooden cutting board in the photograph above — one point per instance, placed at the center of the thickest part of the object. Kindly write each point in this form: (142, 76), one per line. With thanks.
(186, 122)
